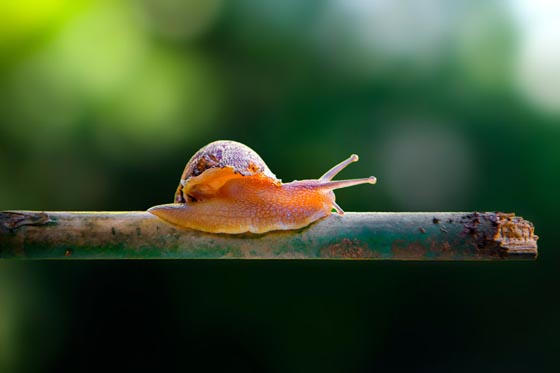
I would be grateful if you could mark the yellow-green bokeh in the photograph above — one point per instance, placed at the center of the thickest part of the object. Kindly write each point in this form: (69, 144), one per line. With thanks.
(451, 105)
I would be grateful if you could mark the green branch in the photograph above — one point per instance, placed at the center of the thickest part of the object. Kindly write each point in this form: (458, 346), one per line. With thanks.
(371, 236)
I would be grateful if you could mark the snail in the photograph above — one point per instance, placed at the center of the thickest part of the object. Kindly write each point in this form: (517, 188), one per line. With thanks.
(226, 187)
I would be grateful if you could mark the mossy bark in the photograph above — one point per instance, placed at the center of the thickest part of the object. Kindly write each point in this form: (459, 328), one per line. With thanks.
(366, 236)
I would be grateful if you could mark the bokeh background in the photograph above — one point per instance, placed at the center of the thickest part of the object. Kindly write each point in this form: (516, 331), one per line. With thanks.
(453, 105)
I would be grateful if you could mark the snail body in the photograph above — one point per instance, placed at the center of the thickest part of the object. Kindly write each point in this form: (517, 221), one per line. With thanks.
(226, 187)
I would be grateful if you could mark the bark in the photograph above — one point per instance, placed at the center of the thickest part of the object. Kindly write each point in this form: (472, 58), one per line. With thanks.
(368, 236)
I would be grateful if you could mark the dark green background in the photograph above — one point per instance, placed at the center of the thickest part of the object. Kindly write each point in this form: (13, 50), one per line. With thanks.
(454, 106)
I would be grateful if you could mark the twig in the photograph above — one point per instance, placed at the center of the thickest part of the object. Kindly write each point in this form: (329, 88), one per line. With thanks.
(372, 236)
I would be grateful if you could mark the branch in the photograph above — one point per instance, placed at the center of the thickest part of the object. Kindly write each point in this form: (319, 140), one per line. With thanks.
(372, 236)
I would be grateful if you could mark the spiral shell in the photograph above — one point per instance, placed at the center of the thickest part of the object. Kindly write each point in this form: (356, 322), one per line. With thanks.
(223, 154)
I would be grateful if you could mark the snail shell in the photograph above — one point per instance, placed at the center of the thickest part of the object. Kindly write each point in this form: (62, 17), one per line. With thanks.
(218, 155)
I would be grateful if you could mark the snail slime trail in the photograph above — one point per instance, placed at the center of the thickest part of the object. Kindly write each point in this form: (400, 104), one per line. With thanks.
(226, 187)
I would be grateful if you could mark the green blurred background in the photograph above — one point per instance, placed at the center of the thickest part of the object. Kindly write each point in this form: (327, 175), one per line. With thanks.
(453, 105)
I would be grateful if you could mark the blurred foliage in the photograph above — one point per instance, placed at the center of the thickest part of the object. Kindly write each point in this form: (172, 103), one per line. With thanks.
(452, 105)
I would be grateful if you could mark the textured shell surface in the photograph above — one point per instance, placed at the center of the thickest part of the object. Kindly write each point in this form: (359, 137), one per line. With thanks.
(222, 153)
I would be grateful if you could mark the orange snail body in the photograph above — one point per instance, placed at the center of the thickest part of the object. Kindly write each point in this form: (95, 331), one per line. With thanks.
(227, 188)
